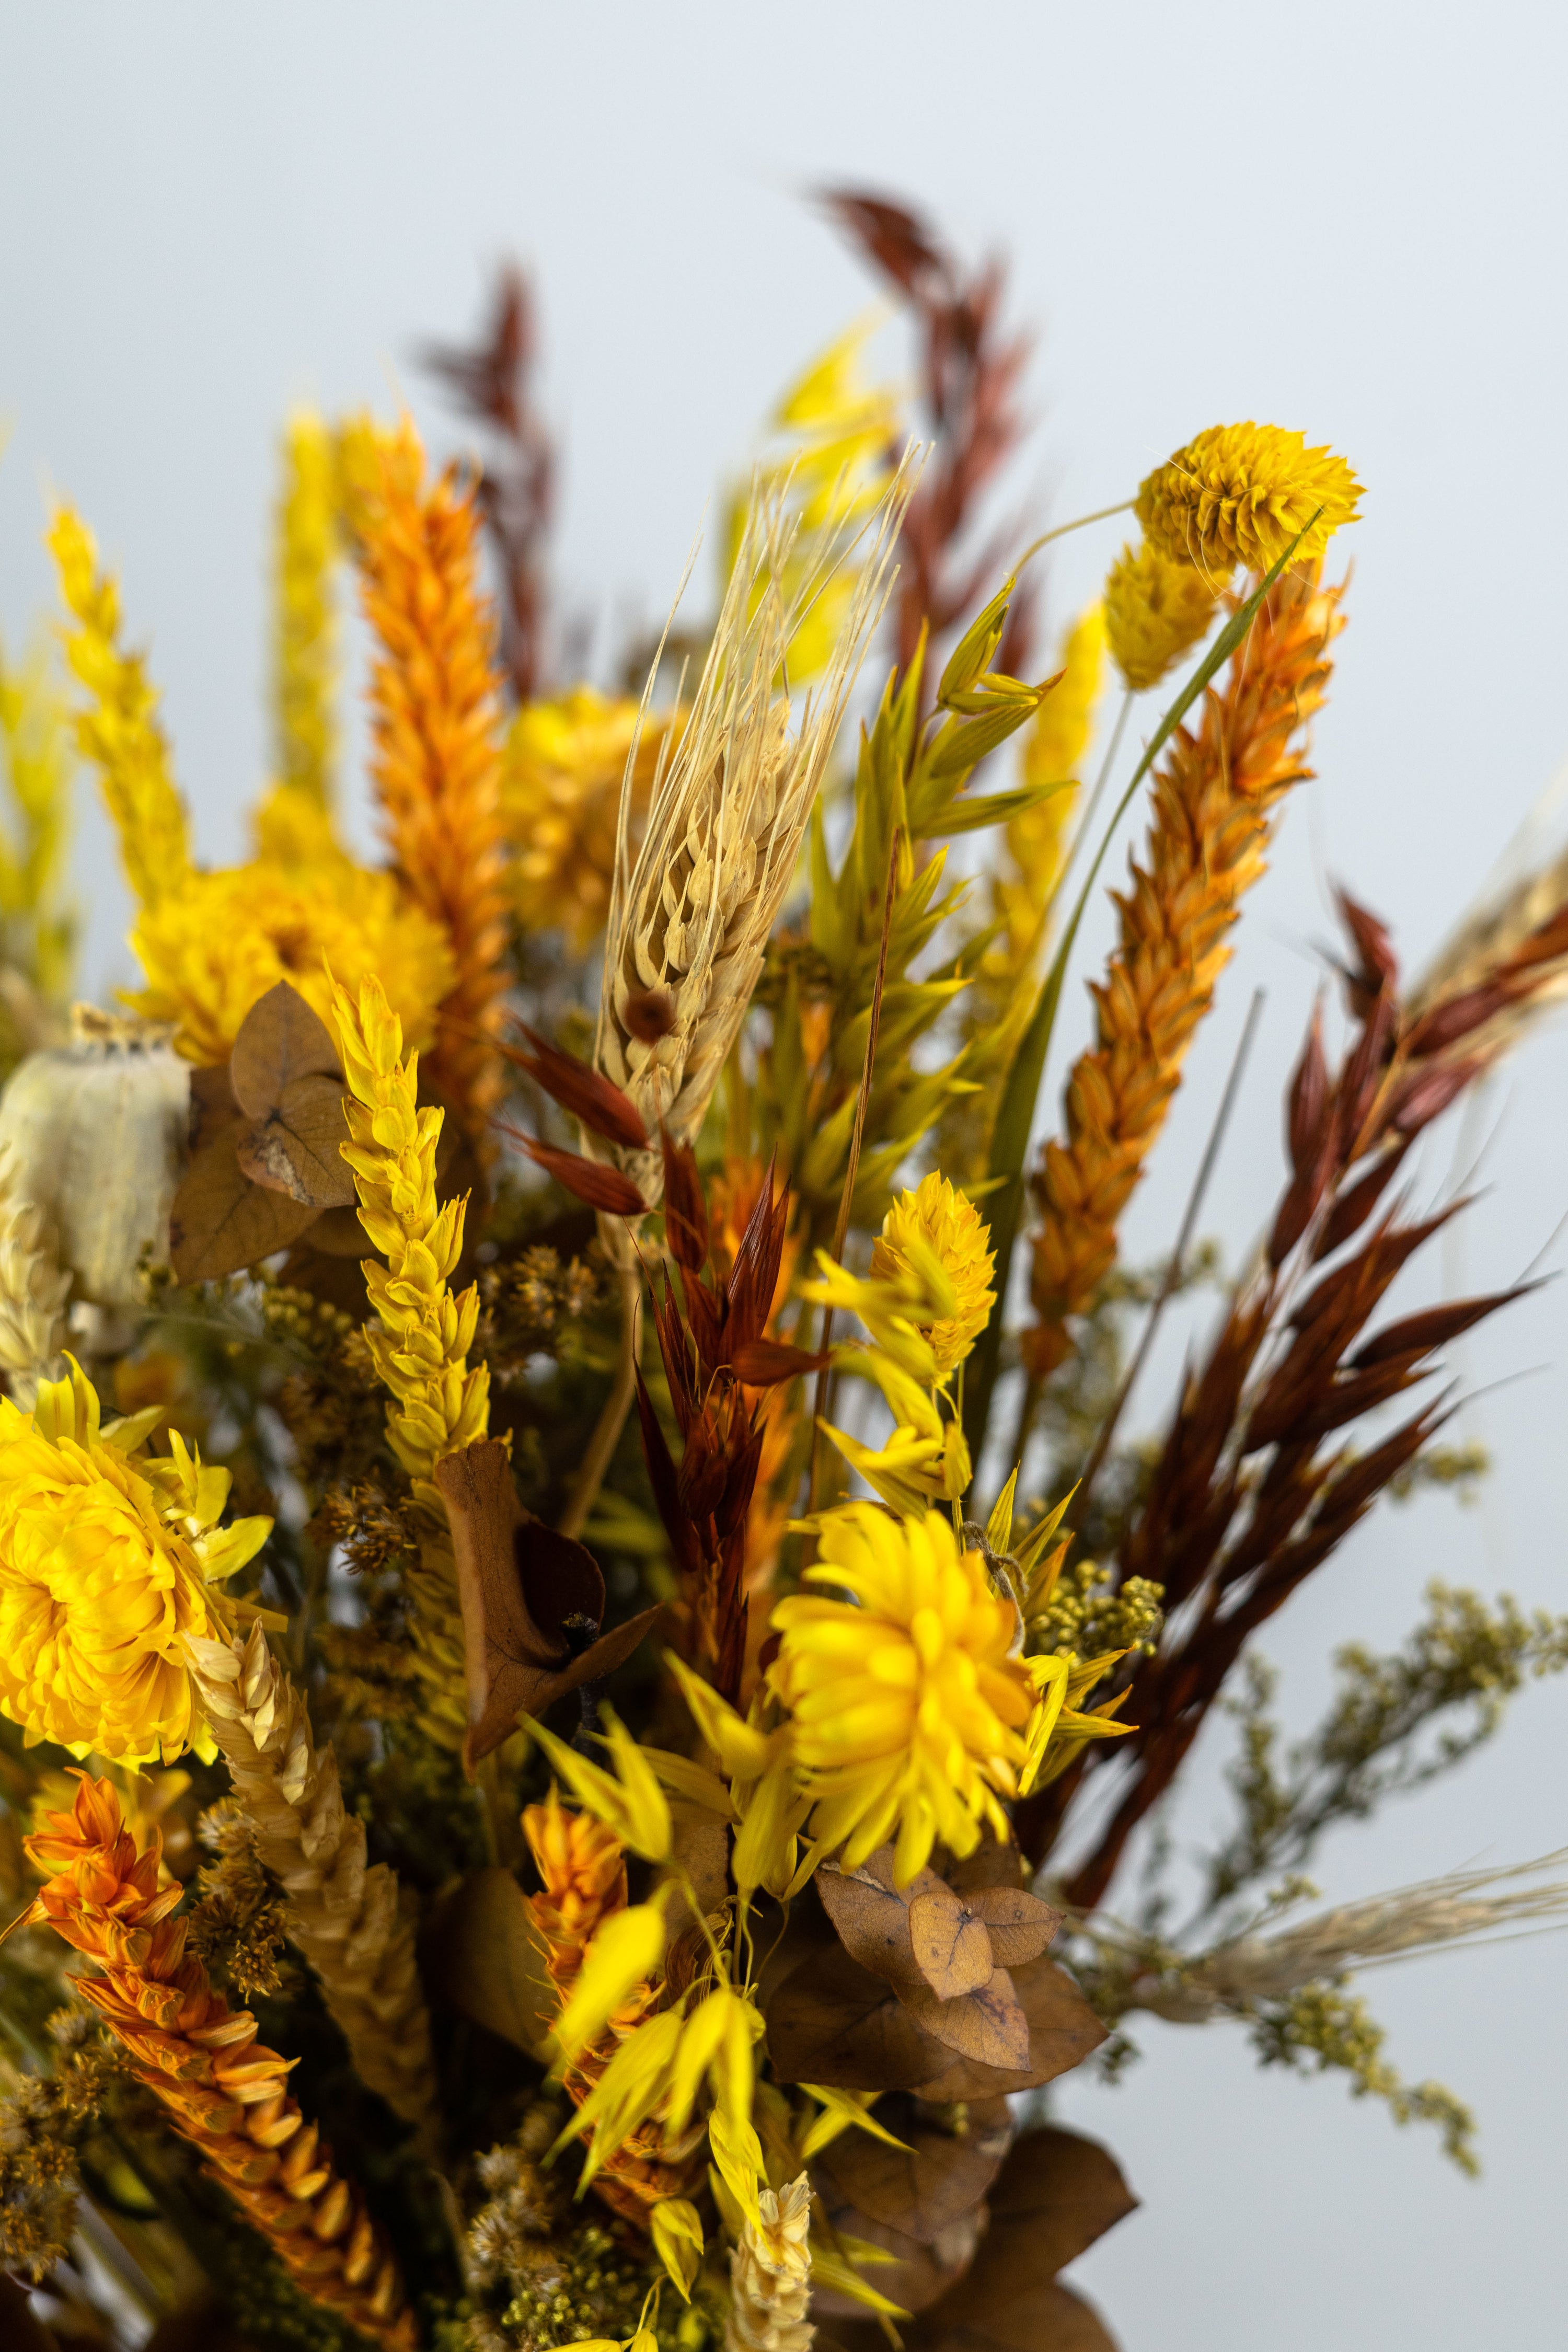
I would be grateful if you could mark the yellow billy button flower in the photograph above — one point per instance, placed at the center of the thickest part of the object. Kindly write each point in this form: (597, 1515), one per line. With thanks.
(1240, 493)
(108, 1560)
(1156, 608)
(936, 1216)
(908, 1708)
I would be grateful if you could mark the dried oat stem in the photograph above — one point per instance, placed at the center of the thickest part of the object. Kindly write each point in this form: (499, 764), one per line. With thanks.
(852, 1169)
(344, 1917)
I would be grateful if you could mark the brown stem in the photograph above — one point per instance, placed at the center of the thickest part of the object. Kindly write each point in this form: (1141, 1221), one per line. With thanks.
(617, 1404)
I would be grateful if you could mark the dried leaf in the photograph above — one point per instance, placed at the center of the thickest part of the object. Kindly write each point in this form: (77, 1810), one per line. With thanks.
(925, 2187)
(1066, 2189)
(1020, 1925)
(479, 1955)
(281, 1040)
(872, 1918)
(601, 1187)
(1056, 2194)
(951, 1944)
(220, 1222)
(763, 1363)
(988, 2026)
(1053, 2318)
(1063, 2030)
(532, 1602)
(295, 1149)
(914, 2277)
(833, 2022)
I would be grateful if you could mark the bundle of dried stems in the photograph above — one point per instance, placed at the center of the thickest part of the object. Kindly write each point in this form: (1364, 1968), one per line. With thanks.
(345, 1917)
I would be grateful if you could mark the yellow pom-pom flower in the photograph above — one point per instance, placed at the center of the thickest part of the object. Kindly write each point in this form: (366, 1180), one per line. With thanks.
(109, 1558)
(907, 1708)
(938, 1217)
(1155, 609)
(1240, 493)
(216, 944)
(561, 796)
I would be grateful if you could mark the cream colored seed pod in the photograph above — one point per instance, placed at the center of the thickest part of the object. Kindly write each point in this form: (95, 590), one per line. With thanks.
(98, 1132)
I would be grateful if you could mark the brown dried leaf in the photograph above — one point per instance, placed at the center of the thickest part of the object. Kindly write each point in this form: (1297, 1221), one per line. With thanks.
(281, 1040)
(991, 1863)
(926, 2186)
(917, 2277)
(833, 2022)
(1055, 2195)
(952, 1945)
(987, 2026)
(220, 1222)
(479, 1955)
(295, 1148)
(1063, 2030)
(872, 1916)
(532, 1602)
(1020, 1925)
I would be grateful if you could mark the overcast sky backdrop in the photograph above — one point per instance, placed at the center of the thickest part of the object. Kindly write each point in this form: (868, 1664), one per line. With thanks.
(1344, 218)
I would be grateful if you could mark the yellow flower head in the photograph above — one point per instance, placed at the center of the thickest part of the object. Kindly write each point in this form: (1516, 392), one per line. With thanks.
(907, 1708)
(937, 1215)
(216, 943)
(560, 793)
(1154, 609)
(108, 1559)
(1239, 494)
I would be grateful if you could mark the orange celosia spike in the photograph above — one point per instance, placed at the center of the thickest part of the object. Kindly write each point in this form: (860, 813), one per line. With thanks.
(436, 716)
(224, 2091)
(1214, 805)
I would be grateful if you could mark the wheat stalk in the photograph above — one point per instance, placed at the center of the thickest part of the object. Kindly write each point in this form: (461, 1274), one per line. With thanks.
(344, 1917)
(689, 919)
(770, 2275)
(1214, 805)
(34, 1290)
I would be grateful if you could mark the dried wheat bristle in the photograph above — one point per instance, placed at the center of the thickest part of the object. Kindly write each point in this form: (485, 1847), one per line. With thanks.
(690, 918)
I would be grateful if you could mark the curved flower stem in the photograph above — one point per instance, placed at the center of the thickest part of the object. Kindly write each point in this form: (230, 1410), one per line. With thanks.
(617, 1404)
(1078, 523)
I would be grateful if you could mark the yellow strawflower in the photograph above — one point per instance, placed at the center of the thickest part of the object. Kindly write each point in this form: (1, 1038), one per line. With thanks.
(1239, 494)
(937, 1215)
(907, 1708)
(438, 1404)
(561, 792)
(109, 1556)
(214, 944)
(120, 732)
(307, 543)
(1154, 609)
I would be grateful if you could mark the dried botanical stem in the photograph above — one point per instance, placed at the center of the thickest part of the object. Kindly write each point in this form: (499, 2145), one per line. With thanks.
(1173, 1273)
(689, 919)
(1214, 804)
(583, 1869)
(770, 2275)
(435, 718)
(34, 1290)
(613, 1416)
(852, 1167)
(344, 1917)
(225, 2092)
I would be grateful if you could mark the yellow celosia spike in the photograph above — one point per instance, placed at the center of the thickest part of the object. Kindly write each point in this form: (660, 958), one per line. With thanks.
(119, 731)
(307, 540)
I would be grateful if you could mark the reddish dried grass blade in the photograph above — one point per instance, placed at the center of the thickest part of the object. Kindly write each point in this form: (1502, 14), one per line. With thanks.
(581, 1090)
(602, 1188)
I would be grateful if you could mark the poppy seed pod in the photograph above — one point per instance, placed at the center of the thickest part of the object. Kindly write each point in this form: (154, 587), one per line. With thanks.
(98, 1134)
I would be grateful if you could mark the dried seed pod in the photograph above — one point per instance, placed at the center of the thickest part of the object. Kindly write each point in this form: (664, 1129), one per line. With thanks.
(97, 1131)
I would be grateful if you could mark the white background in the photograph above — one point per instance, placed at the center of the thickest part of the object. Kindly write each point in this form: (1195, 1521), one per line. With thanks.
(1348, 219)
